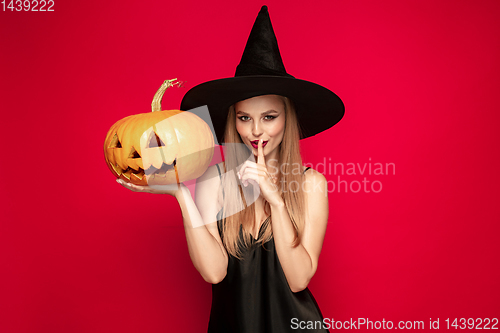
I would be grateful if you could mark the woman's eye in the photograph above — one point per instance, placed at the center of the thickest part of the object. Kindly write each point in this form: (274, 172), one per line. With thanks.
(246, 118)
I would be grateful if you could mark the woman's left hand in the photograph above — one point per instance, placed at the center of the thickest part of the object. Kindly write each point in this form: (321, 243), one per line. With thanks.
(257, 174)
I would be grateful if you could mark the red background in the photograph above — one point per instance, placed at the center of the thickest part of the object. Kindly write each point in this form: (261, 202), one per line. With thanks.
(420, 82)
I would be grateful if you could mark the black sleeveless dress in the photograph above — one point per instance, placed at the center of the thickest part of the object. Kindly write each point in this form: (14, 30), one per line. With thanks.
(254, 297)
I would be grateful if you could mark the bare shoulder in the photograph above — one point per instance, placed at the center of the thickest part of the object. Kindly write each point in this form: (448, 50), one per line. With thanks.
(208, 184)
(314, 177)
(316, 191)
(207, 196)
(211, 172)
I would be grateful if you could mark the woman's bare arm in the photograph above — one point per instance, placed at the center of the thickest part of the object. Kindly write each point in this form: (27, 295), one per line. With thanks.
(204, 243)
(300, 263)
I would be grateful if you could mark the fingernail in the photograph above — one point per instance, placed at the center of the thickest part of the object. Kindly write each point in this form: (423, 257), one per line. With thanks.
(261, 140)
(238, 173)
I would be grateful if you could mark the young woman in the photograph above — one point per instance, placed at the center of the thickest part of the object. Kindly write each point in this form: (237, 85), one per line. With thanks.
(263, 216)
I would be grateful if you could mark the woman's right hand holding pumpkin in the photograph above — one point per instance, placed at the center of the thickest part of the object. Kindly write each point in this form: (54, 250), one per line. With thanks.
(173, 189)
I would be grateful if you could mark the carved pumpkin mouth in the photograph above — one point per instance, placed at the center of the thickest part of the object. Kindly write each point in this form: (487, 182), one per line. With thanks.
(127, 173)
(134, 172)
(161, 173)
(154, 174)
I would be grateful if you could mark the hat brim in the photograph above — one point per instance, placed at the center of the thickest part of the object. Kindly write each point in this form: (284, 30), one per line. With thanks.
(317, 107)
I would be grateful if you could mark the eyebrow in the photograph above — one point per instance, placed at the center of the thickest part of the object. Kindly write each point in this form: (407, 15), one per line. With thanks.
(263, 113)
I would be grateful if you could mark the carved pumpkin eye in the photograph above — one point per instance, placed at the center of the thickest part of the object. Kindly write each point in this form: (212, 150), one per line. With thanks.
(133, 172)
(115, 142)
(134, 154)
(155, 141)
(178, 146)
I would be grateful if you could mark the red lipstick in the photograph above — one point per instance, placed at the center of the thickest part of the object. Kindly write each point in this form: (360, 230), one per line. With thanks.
(255, 144)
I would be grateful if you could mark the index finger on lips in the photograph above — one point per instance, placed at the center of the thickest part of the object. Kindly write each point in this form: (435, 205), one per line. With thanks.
(260, 153)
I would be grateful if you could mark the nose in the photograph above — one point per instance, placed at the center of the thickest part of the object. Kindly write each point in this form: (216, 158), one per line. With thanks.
(256, 129)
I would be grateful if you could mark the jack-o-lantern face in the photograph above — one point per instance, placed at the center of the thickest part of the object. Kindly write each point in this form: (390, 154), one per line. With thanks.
(162, 147)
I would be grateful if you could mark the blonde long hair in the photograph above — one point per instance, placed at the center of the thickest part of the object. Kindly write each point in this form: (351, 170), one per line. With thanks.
(237, 214)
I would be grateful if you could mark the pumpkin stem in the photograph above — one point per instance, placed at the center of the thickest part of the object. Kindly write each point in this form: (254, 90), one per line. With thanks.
(156, 104)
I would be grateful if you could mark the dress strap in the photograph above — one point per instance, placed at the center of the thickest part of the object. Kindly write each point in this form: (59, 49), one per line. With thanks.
(307, 169)
(218, 169)
(220, 213)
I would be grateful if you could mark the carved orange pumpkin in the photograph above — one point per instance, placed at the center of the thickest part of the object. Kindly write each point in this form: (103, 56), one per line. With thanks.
(160, 147)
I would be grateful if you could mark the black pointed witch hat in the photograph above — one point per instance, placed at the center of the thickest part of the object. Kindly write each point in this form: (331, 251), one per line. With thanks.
(261, 72)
